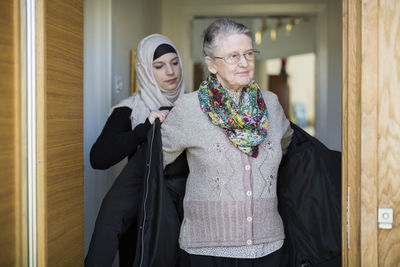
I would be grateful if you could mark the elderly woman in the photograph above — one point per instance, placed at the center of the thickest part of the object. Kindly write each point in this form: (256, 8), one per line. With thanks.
(234, 135)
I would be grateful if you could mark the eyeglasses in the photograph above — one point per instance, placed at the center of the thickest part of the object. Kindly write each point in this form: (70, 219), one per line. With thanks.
(234, 58)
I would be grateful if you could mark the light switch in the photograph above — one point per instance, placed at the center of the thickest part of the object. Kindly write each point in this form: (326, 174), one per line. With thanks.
(385, 218)
(118, 83)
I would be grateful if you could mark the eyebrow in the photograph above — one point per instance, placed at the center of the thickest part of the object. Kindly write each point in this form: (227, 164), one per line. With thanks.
(162, 62)
(251, 49)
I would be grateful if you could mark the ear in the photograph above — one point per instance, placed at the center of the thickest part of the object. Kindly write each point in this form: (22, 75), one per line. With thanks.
(211, 65)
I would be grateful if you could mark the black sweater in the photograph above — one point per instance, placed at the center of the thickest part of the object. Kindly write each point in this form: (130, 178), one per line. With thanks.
(117, 140)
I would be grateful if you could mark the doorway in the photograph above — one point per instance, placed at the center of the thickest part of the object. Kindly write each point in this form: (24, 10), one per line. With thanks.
(97, 182)
(369, 53)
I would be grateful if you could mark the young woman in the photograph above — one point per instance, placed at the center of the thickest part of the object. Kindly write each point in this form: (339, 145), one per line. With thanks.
(160, 82)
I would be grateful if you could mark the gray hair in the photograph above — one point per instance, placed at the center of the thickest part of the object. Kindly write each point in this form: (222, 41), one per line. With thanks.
(222, 26)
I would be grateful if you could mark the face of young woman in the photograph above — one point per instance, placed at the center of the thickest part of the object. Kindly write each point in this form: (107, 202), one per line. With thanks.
(232, 76)
(167, 71)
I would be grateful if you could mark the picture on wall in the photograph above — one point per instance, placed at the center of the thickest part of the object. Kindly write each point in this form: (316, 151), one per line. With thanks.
(134, 87)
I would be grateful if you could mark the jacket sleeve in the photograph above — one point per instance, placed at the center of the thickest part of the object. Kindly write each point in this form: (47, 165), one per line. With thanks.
(117, 140)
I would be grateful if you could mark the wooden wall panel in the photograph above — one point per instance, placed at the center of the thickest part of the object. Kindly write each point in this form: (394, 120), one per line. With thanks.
(389, 127)
(371, 88)
(345, 21)
(369, 133)
(10, 135)
(61, 23)
(352, 130)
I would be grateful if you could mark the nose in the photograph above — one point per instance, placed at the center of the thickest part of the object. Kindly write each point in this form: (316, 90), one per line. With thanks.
(243, 61)
(170, 69)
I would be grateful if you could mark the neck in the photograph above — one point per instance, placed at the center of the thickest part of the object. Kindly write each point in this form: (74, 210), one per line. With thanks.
(235, 96)
(237, 90)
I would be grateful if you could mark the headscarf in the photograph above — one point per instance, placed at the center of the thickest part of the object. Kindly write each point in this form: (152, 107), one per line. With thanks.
(163, 49)
(150, 96)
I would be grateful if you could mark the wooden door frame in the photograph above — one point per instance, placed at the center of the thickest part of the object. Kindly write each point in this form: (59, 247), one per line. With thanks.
(13, 236)
(360, 133)
(59, 142)
(359, 168)
(351, 121)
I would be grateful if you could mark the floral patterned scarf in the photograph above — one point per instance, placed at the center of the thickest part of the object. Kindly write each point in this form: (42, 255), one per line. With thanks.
(245, 125)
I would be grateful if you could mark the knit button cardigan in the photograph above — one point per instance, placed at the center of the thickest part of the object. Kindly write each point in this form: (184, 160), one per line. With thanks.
(230, 198)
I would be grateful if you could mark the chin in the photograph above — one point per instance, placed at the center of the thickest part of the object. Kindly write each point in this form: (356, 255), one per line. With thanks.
(244, 82)
(170, 87)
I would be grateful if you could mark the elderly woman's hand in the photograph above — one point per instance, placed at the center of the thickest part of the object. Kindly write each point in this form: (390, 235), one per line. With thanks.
(161, 114)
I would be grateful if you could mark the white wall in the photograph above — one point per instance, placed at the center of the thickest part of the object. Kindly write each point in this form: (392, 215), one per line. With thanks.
(131, 21)
(176, 23)
(111, 30)
(97, 102)
(302, 81)
(334, 109)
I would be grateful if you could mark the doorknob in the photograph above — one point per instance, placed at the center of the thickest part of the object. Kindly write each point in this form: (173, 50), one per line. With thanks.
(385, 218)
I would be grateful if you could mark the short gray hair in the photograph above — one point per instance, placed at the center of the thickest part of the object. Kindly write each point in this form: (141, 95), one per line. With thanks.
(222, 26)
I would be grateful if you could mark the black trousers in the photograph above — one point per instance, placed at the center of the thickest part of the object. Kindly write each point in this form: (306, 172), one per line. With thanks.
(117, 221)
(190, 260)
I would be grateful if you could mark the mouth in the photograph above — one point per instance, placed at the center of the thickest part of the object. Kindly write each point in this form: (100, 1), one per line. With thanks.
(243, 73)
(171, 81)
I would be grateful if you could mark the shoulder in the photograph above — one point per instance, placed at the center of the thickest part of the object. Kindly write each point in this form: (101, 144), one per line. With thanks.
(189, 97)
(187, 101)
(129, 102)
(185, 110)
(271, 99)
(121, 111)
(268, 95)
(274, 107)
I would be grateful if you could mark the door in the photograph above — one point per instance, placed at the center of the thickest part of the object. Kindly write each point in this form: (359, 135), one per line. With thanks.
(371, 131)
(11, 209)
(59, 57)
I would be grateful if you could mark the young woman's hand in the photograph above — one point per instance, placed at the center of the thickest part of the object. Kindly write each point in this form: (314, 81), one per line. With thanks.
(161, 114)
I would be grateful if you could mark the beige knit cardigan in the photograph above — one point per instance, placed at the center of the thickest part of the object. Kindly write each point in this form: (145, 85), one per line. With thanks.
(230, 198)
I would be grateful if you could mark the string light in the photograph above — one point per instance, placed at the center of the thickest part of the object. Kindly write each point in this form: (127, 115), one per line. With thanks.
(289, 28)
(259, 34)
(258, 37)
(272, 34)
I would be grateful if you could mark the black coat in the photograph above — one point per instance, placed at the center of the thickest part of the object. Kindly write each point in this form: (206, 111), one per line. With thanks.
(309, 200)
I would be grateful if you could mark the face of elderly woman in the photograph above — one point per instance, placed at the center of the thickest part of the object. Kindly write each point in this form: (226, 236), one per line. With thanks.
(167, 71)
(232, 76)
